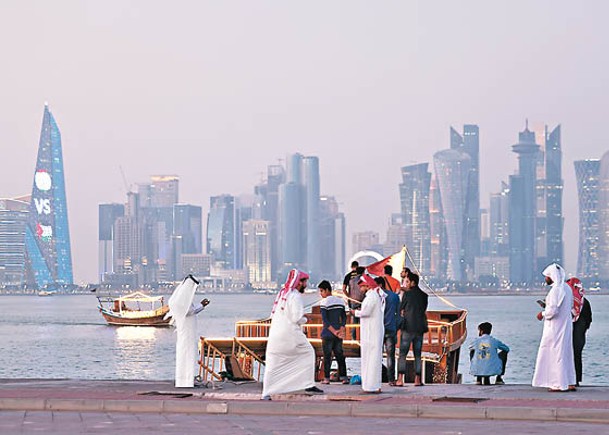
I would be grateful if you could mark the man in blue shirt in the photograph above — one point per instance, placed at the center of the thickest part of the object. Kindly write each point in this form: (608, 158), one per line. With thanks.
(392, 320)
(334, 317)
(488, 356)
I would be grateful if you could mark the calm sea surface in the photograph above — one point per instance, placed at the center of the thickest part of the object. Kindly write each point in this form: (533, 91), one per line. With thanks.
(66, 337)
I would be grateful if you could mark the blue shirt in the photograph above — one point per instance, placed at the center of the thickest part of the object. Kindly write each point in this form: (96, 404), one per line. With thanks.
(392, 312)
(485, 361)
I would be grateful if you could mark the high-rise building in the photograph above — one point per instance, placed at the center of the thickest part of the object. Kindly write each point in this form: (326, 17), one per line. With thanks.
(452, 168)
(161, 191)
(554, 188)
(469, 143)
(292, 234)
(587, 173)
(299, 219)
(331, 249)
(603, 218)
(438, 250)
(47, 235)
(414, 204)
(222, 231)
(13, 220)
(311, 184)
(257, 253)
(499, 222)
(365, 240)
(108, 213)
(186, 237)
(522, 210)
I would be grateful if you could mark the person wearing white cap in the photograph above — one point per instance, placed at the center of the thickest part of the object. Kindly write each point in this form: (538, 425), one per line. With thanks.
(372, 333)
(555, 367)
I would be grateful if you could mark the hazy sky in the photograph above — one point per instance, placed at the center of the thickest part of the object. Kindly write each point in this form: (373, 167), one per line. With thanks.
(216, 91)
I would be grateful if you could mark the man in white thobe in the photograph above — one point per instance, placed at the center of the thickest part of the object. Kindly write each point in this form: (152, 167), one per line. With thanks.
(290, 358)
(555, 368)
(183, 312)
(372, 333)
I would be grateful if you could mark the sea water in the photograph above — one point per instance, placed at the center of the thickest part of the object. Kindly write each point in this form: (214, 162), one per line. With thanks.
(66, 337)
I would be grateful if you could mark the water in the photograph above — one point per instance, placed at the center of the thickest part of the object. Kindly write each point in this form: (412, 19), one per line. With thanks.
(66, 337)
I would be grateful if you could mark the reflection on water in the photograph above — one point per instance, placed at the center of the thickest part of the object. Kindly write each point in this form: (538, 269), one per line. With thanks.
(135, 333)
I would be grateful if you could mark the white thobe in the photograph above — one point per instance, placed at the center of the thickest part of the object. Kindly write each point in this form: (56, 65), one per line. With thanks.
(290, 358)
(186, 348)
(555, 367)
(372, 331)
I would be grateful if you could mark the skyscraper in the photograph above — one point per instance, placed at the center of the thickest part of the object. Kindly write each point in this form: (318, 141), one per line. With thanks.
(310, 175)
(108, 213)
(499, 222)
(587, 173)
(522, 210)
(331, 248)
(222, 231)
(603, 218)
(47, 235)
(257, 253)
(469, 143)
(186, 237)
(554, 188)
(453, 169)
(414, 202)
(266, 208)
(299, 222)
(438, 252)
(13, 220)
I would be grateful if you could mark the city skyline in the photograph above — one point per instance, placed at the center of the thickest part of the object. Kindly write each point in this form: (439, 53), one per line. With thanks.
(211, 100)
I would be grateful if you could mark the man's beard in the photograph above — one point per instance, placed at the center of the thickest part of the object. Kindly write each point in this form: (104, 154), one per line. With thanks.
(301, 289)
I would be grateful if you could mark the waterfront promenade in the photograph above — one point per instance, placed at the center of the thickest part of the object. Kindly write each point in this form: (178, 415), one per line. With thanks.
(73, 406)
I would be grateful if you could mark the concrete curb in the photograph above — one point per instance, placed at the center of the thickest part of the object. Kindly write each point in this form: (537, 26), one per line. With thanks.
(349, 409)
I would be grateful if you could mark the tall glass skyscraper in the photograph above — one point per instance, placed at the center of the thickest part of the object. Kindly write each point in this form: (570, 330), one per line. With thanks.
(47, 235)
(453, 169)
(108, 214)
(587, 173)
(222, 231)
(603, 218)
(554, 188)
(414, 202)
(469, 143)
(522, 210)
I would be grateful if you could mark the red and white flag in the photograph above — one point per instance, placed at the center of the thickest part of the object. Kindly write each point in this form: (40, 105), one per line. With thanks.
(396, 261)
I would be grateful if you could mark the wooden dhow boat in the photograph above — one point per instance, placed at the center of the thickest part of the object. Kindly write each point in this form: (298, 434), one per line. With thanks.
(243, 355)
(134, 309)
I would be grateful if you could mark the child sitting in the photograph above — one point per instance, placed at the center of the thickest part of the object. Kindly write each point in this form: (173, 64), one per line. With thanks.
(488, 356)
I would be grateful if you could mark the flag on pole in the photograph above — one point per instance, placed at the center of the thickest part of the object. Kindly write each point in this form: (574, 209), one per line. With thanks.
(395, 260)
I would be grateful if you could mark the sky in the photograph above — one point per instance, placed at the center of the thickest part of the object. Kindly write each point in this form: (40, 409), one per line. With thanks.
(216, 91)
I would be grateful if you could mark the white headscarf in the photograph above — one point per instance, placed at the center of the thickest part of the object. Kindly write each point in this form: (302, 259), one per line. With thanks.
(557, 275)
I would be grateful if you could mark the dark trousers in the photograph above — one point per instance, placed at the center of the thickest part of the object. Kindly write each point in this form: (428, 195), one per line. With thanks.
(329, 346)
(390, 341)
(417, 344)
(503, 356)
(579, 341)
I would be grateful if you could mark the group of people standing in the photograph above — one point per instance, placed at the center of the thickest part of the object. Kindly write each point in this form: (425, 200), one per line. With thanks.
(389, 312)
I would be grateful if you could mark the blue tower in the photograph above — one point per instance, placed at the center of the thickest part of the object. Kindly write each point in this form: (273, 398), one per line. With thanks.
(47, 235)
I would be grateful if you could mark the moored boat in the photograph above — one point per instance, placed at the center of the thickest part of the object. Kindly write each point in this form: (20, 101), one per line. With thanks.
(134, 309)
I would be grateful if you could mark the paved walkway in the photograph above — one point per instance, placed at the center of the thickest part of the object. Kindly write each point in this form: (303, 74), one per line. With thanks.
(116, 423)
(508, 402)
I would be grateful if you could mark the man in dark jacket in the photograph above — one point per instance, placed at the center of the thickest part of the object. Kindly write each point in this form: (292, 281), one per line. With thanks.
(414, 325)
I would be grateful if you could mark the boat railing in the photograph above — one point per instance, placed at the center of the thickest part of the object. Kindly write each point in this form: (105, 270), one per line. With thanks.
(443, 335)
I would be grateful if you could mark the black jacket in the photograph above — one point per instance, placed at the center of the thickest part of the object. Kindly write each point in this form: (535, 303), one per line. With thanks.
(413, 307)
